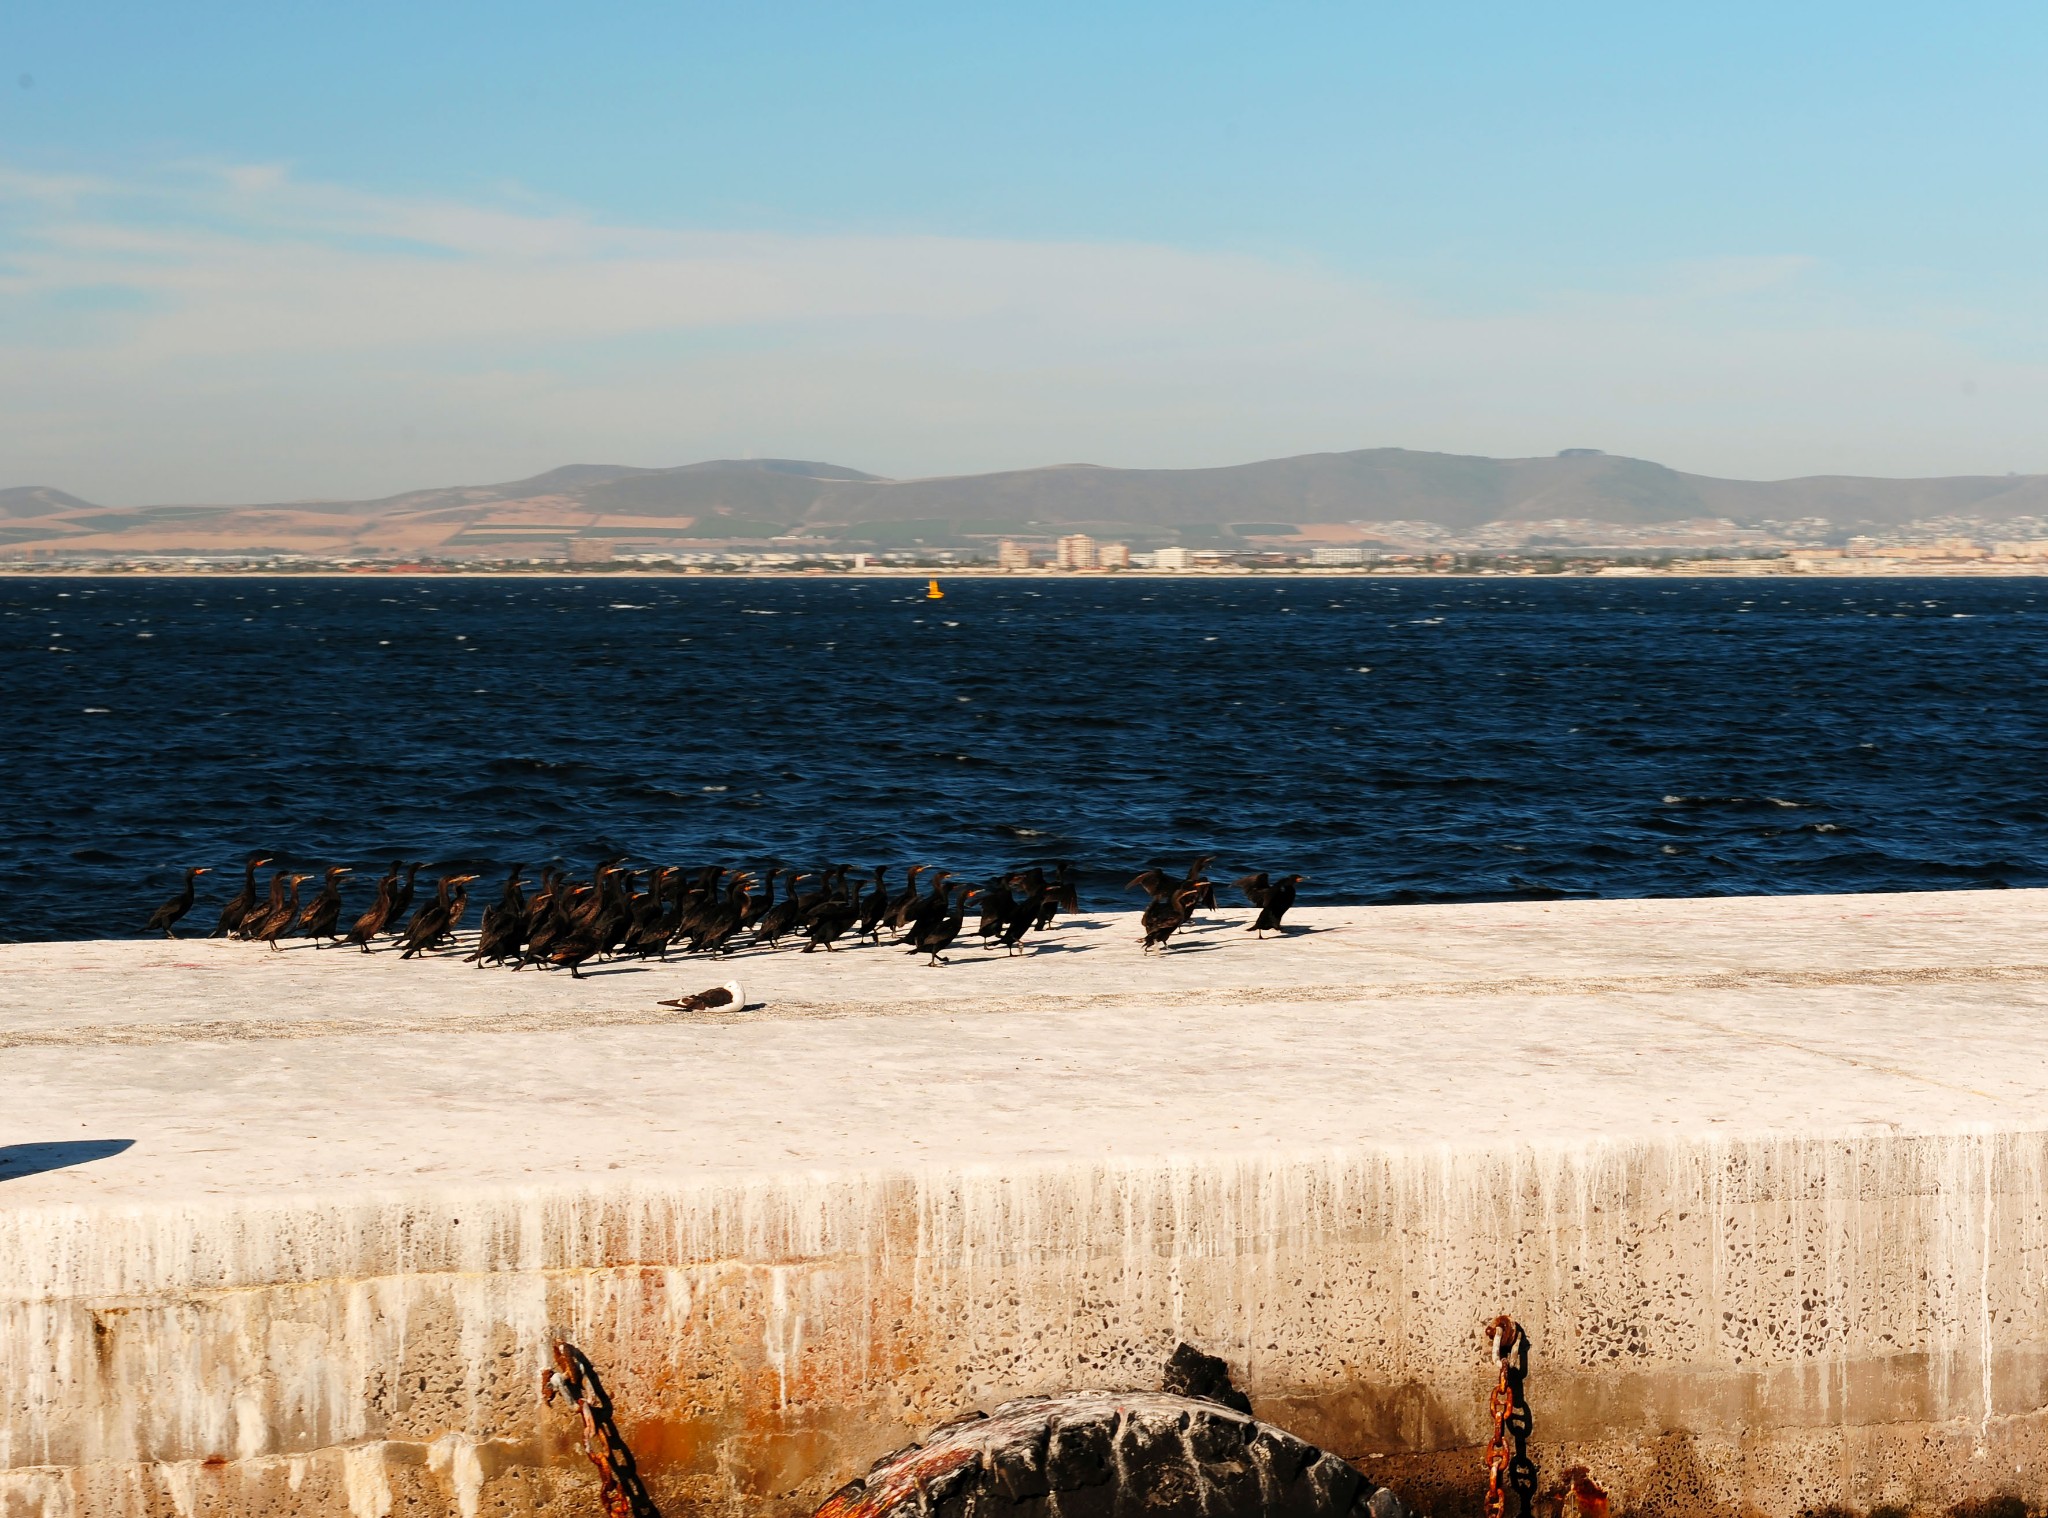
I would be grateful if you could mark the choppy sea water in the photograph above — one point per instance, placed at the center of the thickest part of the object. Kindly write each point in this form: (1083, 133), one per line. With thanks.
(1395, 740)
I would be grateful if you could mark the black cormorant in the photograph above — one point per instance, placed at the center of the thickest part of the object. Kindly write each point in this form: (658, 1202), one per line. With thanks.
(934, 934)
(1064, 897)
(277, 924)
(1273, 903)
(1166, 915)
(830, 921)
(167, 915)
(401, 900)
(875, 905)
(897, 918)
(242, 905)
(258, 917)
(372, 922)
(323, 914)
(782, 916)
(438, 918)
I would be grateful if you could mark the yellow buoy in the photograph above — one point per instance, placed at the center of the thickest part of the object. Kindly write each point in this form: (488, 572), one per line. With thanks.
(933, 593)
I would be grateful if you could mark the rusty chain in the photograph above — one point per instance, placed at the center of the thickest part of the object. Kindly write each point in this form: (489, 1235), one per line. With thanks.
(575, 1379)
(1509, 1469)
(1508, 1466)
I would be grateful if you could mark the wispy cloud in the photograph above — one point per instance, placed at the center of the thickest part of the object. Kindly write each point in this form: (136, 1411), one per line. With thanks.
(239, 332)
(258, 264)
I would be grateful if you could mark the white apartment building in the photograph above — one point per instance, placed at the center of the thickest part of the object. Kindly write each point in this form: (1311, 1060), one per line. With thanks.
(1076, 551)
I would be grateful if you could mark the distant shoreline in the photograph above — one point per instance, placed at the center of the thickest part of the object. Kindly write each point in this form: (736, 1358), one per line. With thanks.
(968, 572)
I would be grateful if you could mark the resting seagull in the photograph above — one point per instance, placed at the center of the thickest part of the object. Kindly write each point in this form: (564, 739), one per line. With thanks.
(722, 998)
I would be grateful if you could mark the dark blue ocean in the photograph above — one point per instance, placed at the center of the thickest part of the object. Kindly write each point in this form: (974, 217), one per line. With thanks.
(1396, 740)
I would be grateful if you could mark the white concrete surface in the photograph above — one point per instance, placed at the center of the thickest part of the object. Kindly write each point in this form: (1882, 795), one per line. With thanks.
(1425, 1114)
(241, 1072)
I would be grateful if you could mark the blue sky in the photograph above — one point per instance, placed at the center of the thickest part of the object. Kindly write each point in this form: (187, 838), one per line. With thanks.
(281, 250)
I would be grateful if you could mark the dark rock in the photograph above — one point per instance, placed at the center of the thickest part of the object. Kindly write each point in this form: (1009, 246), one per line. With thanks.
(950, 1492)
(1333, 1485)
(1216, 1437)
(1156, 1477)
(1078, 1452)
(1282, 1462)
(1384, 1504)
(1190, 1373)
(1104, 1455)
(1219, 1442)
(1017, 1466)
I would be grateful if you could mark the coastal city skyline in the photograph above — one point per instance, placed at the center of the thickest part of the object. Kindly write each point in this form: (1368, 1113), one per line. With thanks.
(1373, 510)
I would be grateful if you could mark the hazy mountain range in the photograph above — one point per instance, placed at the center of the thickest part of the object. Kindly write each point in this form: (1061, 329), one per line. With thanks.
(1375, 494)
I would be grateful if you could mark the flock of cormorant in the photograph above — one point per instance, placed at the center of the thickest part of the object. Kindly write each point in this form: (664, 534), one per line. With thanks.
(621, 912)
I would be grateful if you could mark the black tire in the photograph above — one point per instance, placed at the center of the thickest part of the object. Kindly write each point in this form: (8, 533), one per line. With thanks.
(1112, 1455)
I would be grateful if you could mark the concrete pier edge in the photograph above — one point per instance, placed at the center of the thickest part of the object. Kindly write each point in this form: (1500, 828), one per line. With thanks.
(1764, 1179)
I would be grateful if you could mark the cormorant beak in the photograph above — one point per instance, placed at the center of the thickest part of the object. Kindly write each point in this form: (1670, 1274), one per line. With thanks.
(203, 870)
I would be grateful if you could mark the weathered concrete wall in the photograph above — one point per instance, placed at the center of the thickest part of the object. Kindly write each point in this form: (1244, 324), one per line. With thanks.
(1718, 1327)
(1778, 1244)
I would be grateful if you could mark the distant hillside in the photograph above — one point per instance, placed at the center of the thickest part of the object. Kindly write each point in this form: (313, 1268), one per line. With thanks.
(39, 501)
(1395, 484)
(1328, 495)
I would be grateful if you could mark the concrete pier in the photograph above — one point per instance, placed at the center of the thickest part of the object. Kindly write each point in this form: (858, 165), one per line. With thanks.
(1766, 1179)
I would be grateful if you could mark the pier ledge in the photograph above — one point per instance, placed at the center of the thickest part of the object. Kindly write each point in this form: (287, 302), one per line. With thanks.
(1766, 1180)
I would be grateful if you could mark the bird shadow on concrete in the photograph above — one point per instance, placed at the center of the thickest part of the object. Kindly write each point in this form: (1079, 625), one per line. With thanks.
(18, 1160)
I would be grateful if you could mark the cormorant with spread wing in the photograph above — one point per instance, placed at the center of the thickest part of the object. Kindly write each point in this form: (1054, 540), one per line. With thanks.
(1272, 898)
